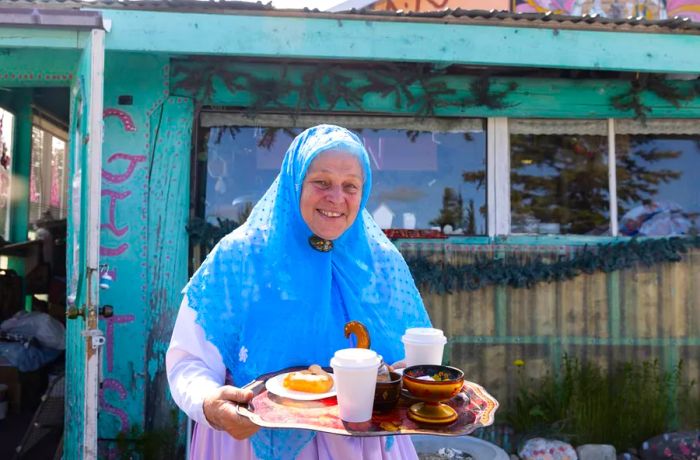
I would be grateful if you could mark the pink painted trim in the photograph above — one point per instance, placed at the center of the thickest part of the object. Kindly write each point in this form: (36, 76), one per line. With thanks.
(109, 335)
(115, 385)
(113, 252)
(113, 197)
(119, 178)
(125, 118)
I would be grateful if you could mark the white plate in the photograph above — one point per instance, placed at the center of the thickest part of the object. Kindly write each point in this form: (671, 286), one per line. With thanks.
(275, 385)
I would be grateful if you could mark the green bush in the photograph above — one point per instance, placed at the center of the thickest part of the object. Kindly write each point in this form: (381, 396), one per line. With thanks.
(586, 404)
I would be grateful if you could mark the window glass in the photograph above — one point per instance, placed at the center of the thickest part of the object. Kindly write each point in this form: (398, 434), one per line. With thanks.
(658, 184)
(559, 184)
(421, 180)
(6, 125)
(47, 190)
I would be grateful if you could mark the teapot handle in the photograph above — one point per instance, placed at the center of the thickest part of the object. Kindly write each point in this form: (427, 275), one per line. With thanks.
(360, 331)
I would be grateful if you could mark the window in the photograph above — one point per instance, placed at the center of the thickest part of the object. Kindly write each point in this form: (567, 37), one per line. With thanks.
(425, 175)
(6, 127)
(47, 183)
(559, 177)
(658, 184)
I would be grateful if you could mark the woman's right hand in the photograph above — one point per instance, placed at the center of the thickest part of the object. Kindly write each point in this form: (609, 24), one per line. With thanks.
(221, 413)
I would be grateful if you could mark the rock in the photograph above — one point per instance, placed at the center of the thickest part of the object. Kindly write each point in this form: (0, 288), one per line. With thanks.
(439, 447)
(683, 445)
(627, 456)
(547, 449)
(446, 452)
(596, 452)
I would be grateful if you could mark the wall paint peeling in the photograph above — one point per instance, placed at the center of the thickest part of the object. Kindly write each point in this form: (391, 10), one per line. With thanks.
(124, 242)
(168, 245)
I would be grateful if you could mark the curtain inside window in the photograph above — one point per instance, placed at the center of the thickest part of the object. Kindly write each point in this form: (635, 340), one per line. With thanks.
(212, 119)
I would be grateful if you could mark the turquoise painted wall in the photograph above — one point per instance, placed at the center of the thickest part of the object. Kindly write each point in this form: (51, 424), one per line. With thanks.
(362, 39)
(230, 84)
(145, 183)
(168, 243)
(36, 67)
(145, 171)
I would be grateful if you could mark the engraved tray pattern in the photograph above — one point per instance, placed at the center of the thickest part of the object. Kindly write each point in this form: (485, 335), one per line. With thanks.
(476, 409)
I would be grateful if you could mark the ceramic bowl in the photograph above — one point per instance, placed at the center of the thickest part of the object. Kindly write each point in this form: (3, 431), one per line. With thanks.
(433, 383)
(386, 394)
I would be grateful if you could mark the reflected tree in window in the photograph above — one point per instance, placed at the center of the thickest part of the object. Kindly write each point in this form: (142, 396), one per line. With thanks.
(562, 180)
(452, 211)
(559, 180)
(657, 179)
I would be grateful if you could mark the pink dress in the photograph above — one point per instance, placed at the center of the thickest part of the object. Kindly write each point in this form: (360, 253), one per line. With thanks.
(194, 367)
(211, 444)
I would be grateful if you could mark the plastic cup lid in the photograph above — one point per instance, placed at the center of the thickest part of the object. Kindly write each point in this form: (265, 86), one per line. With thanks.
(355, 358)
(424, 335)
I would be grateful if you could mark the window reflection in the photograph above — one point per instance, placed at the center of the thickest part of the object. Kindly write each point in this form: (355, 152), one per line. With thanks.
(658, 184)
(559, 184)
(6, 126)
(47, 183)
(418, 178)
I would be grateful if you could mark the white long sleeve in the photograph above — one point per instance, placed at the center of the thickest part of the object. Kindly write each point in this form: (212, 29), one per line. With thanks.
(193, 364)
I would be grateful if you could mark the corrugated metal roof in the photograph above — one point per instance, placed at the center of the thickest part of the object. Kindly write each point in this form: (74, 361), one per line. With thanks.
(175, 5)
(34, 17)
(504, 18)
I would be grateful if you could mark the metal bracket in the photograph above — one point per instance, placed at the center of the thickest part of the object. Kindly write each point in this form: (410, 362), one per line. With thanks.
(98, 339)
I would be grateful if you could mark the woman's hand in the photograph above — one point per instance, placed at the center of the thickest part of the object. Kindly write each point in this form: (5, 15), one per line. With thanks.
(397, 365)
(221, 413)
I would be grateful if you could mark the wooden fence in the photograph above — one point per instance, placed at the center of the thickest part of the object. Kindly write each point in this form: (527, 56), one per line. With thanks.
(642, 313)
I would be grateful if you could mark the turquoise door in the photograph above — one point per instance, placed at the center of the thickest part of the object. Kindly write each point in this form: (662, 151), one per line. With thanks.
(83, 338)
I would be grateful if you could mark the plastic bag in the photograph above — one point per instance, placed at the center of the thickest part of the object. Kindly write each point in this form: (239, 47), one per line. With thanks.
(48, 331)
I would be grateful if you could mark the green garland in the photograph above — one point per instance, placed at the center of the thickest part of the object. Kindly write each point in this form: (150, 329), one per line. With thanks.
(657, 84)
(441, 278)
(509, 270)
(327, 87)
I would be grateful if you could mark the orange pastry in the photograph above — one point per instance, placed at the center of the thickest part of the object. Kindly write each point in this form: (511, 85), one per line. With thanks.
(312, 380)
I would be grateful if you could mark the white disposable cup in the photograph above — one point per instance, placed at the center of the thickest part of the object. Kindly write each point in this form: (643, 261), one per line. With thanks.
(423, 345)
(355, 375)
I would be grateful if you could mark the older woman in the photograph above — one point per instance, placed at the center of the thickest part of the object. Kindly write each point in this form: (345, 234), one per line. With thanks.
(277, 291)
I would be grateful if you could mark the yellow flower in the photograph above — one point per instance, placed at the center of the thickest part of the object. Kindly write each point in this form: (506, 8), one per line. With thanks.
(519, 362)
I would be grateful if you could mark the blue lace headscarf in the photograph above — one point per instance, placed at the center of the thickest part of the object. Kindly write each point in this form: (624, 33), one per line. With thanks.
(267, 300)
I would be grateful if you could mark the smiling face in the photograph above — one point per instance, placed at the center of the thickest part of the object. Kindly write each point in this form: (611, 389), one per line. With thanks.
(331, 193)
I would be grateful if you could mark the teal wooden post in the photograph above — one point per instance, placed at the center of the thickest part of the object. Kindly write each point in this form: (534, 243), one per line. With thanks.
(614, 325)
(21, 164)
(21, 167)
(671, 360)
(501, 311)
(501, 301)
